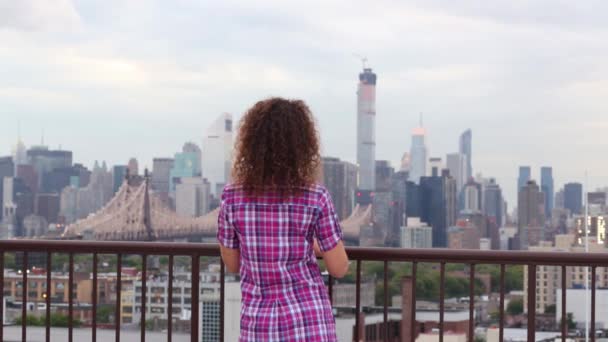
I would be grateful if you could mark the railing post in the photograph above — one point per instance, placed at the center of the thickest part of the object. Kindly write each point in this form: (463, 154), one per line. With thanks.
(414, 326)
(441, 299)
(194, 306)
(472, 303)
(564, 322)
(49, 257)
(222, 299)
(386, 330)
(531, 302)
(358, 336)
(71, 298)
(2, 294)
(94, 294)
(593, 278)
(118, 296)
(501, 310)
(24, 298)
(170, 301)
(144, 284)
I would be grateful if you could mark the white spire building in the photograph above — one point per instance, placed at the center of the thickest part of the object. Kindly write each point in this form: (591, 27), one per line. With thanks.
(418, 155)
(217, 153)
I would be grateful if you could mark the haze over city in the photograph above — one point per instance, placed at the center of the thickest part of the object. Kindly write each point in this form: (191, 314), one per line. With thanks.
(114, 80)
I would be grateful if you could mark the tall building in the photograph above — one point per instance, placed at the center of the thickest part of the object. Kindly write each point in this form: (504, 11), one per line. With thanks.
(525, 175)
(186, 164)
(44, 161)
(47, 206)
(119, 172)
(573, 198)
(366, 132)
(457, 164)
(77, 202)
(493, 203)
(465, 148)
(418, 155)
(192, 196)
(433, 208)
(435, 166)
(547, 187)
(340, 179)
(384, 172)
(133, 167)
(19, 154)
(451, 198)
(472, 197)
(7, 169)
(405, 162)
(530, 214)
(217, 153)
(416, 234)
(398, 206)
(161, 174)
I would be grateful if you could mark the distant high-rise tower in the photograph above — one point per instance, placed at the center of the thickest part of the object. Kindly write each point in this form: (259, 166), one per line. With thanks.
(525, 175)
(217, 153)
(340, 179)
(573, 198)
(366, 134)
(418, 155)
(546, 186)
(493, 202)
(466, 143)
(133, 167)
(457, 164)
(530, 215)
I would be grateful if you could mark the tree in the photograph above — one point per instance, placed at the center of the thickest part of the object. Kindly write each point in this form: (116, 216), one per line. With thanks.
(570, 321)
(515, 307)
(104, 313)
(550, 309)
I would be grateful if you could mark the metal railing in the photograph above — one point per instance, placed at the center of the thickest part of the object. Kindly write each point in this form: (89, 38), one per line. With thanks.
(386, 255)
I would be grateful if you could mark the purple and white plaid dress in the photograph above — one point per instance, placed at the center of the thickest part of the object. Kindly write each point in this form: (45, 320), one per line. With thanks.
(284, 296)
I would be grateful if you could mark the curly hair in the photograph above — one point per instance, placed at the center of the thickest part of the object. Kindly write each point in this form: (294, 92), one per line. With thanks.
(277, 148)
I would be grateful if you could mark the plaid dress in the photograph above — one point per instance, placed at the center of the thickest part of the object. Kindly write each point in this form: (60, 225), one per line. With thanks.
(284, 296)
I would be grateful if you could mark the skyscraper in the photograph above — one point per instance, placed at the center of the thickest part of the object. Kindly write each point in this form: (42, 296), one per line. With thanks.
(493, 203)
(457, 164)
(44, 161)
(133, 167)
(466, 149)
(119, 172)
(217, 153)
(472, 197)
(19, 154)
(186, 164)
(366, 134)
(573, 198)
(340, 179)
(546, 186)
(530, 215)
(435, 166)
(433, 208)
(161, 170)
(192, 196)
(418, 155)
(525, 175)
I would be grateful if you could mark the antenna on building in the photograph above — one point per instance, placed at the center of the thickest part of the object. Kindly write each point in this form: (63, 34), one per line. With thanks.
(421, 120)
(363, 60)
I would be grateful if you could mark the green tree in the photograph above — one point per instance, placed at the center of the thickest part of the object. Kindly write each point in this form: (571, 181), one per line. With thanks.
(550, 309)
(515, 307)
(104, 313)
(570, 321)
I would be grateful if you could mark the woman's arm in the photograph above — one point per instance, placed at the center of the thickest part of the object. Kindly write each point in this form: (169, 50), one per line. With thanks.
(335, 259)
(232, 258)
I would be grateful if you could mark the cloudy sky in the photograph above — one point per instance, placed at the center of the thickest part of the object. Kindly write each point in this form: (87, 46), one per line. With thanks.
(112, 79)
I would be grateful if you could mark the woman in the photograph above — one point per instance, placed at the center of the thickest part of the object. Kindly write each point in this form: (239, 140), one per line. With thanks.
(274, 219)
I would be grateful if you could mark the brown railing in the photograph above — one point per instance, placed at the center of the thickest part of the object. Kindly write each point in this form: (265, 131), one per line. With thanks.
(386, 255)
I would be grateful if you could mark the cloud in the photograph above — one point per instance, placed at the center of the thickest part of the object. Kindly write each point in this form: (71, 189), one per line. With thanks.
(33, 15)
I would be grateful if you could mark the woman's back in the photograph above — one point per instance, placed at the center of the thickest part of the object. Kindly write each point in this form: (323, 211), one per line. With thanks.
(275, 236)
(270, 221)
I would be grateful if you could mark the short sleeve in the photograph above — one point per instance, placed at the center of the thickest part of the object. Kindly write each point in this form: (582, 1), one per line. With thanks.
(328, 231)
(226, 234)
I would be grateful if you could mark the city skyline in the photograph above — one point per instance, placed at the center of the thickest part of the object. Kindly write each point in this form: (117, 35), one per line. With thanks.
(105, 89)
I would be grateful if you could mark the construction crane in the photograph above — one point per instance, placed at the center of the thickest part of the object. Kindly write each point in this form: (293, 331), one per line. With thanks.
(363, 60)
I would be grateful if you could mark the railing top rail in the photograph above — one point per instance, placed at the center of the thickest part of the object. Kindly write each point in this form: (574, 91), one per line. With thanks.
(355, 253)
